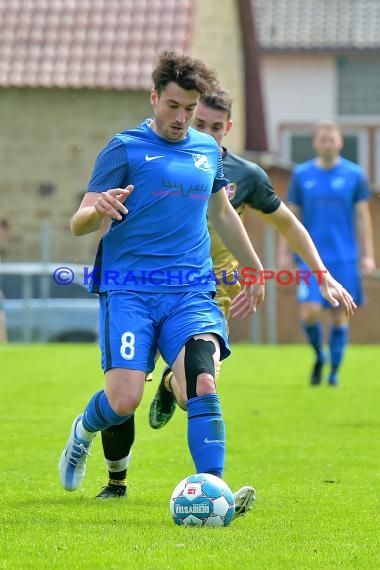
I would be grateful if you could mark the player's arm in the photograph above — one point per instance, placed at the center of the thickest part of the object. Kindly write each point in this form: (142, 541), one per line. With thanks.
(96, 207)
(365, 237)
(105, 226)
(228, 225)
(285, 254)
(106, 192)
(294, 200)
(295, 235)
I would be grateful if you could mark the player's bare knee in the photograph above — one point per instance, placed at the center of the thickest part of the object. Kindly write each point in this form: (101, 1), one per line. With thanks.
(339, 318)
(199, 367)
(310, 313)
(124, 406)
(205, 384)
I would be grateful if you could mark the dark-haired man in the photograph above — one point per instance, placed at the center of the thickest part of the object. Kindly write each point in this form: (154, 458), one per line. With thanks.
(248, 186)
(152, 268)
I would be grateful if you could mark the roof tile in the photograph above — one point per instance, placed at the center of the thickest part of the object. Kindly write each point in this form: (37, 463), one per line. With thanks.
(111, 44)
(318, 24)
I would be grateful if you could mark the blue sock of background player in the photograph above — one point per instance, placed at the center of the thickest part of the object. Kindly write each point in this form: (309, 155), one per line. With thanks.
(337, 343)
(314, 334)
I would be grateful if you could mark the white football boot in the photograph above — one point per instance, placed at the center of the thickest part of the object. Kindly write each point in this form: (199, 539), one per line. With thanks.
(244, 499)
(72, 465)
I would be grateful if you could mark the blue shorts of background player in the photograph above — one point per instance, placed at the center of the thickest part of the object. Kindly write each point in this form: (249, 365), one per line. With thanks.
(147, 322)
(345, 273)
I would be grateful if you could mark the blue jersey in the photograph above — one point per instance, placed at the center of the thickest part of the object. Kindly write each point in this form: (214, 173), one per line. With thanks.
(327, 199)
(163, 243)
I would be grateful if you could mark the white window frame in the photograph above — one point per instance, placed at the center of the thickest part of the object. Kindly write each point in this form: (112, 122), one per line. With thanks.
(377, 158)
(360, 132)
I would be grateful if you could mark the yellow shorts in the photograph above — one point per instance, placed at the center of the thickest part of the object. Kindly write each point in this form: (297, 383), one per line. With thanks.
(225, 294)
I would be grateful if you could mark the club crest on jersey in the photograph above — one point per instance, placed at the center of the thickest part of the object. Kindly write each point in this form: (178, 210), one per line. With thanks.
(201, 162)
(337, 182)
(231, 190)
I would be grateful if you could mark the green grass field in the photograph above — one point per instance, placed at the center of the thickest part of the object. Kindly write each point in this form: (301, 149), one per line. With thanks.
(312, 453)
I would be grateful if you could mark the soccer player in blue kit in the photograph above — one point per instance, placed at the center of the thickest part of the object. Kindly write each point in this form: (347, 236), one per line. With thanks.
(249, 186)
(330, 196)
(153, 267)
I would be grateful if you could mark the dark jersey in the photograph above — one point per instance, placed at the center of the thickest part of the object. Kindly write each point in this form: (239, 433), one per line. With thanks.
(249, 185)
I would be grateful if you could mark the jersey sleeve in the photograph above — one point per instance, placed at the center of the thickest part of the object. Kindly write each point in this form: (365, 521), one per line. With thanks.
(263, 197)
(294, 194)
(220, 181)
(111, 168)
(362, 192)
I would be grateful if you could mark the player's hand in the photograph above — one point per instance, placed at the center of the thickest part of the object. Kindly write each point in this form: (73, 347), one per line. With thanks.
(336, 294)
(367, 265)
(110, 204)
(248, 300)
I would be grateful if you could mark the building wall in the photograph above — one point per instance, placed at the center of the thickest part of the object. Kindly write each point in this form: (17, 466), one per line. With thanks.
(217, 40)
(296, 88)
(53, 136)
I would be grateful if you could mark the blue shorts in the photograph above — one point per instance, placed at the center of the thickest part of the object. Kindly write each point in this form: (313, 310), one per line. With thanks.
(347, 274)
(134, 325)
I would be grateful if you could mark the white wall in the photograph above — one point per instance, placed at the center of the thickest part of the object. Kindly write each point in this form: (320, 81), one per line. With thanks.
(297, 89)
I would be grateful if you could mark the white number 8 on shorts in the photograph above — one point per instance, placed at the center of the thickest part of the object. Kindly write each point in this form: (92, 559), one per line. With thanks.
(127, 347)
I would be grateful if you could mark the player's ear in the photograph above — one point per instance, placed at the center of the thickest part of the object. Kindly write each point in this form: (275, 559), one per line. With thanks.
(153, 97)
(229, 126)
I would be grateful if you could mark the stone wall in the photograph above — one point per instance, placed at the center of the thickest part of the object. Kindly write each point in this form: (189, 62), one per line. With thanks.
(48, 143)
(217, 40)
(50, 138)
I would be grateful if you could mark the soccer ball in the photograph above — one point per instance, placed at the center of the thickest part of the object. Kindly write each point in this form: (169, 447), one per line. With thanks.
(202, 500)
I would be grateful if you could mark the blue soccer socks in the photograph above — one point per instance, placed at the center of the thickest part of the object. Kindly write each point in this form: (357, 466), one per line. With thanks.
(314, 334)
(337, 343)
(206, 434)
(99, 415)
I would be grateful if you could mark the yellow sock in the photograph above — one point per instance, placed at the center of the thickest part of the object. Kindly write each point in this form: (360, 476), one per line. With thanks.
(167, 380)
(121, 483)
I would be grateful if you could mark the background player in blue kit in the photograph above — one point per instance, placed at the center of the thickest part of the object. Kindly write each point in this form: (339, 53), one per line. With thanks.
(249, 186)
(152, 268)
(330, 195)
